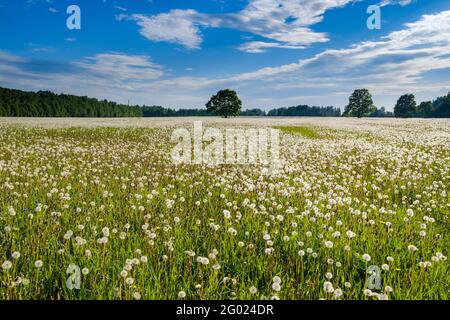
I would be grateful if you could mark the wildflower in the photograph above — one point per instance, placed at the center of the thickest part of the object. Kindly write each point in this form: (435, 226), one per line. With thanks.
(15, 255)
(6, 265)
(253, 290)
(412, 248)
(367, 292)
(38, 264)
(137, 296)
(350, 234)
(380, 296)
(277, 279)
(366, 257)
(329, 244)
(181, 294)
(338, 293)
(388, 289)
(11, 211)
(276, 286)
(85, 271)
(336, 234)
(328, 287)
(105, 231)
(203, 260)
(425, 264)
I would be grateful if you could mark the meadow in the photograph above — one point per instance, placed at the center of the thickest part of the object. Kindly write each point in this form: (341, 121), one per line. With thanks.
(96, 209)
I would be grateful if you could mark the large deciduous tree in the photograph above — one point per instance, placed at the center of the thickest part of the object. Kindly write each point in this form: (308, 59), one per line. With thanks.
(406, 106)
(225, 103)
(360, 104)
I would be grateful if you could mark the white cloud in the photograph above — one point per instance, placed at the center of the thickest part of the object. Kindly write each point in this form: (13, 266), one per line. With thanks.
(395, 2)
(121, 67)
(261, 46)
(177, 26)
(120, 8)
(286, 23)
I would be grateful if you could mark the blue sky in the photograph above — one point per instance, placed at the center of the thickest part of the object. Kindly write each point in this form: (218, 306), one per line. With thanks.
(275, 53)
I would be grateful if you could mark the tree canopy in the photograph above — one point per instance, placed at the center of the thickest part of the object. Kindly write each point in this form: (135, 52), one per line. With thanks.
(360, 104)
(225, 103)
(406, 106)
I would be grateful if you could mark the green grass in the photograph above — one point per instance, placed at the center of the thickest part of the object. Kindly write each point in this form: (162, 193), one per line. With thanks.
(307, 132)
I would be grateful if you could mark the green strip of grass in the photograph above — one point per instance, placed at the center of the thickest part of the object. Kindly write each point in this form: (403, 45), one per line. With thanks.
(307, 132)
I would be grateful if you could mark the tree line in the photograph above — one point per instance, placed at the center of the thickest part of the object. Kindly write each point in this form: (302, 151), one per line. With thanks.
(305, 111)
(17, 103)
(407, 107)
(361, 105)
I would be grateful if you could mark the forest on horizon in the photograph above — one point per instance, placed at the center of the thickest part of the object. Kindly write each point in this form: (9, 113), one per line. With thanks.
(18, 103)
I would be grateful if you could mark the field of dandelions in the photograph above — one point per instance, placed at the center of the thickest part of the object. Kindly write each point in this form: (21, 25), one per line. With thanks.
(101, 202)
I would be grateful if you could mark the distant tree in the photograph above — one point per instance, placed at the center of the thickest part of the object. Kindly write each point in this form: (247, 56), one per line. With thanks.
(406, 106)
(360, 104)
(225, 103)
(305, 111)
(381, 113)
(442, 107)
(253, 113)
(425, 109)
